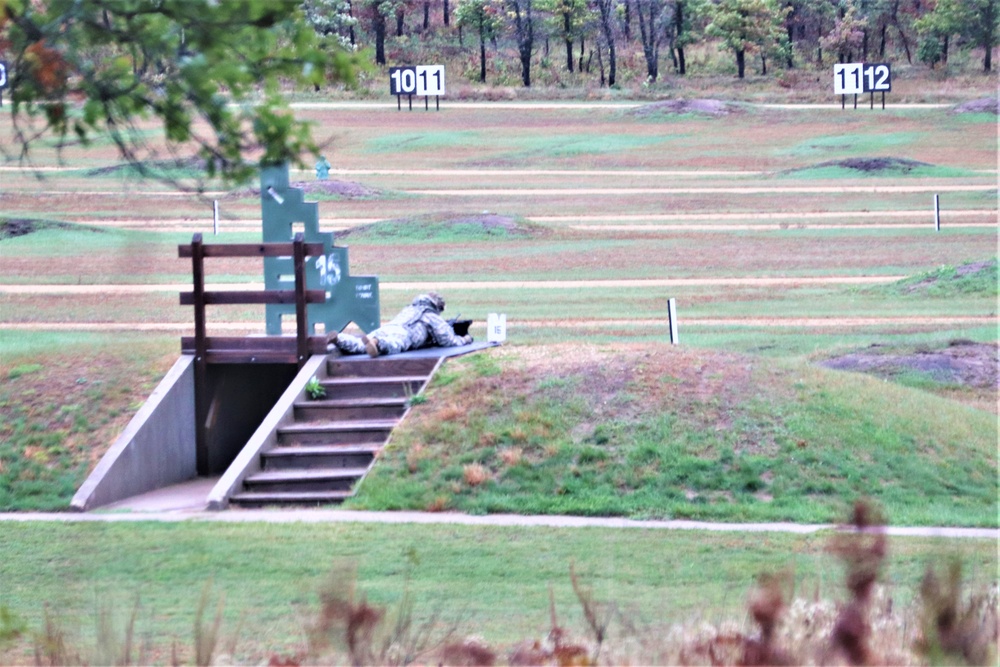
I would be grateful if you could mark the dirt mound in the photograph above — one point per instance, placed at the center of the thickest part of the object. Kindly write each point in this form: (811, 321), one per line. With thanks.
(343, 189)
(700, 107)
(14, 227)
(872, 164)
(983, 105)
(972, 277)
(964, 363)
(446, 226)
(150, 166)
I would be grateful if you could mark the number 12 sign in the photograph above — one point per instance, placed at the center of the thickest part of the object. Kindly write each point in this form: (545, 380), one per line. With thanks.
(420, 80)
(854, 78)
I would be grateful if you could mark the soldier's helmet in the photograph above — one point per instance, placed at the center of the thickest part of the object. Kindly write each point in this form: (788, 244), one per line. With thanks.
(437, 300)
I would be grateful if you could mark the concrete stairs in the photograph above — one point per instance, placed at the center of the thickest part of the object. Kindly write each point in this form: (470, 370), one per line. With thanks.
(331, 443)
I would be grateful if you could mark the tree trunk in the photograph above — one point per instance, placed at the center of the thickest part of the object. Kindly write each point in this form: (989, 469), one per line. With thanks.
(482, 49)
(350, 12)
(378, 26)
(606, 8)
(763, 64)
(569, 43)
(600, 63)
(647, 33)
(881, 41)
(525, 29)
(988, 19)
(427, 15)
(790, 32)
(679, 29)
(628, 20)
(580, 66)
(447, 14)
(399, 22)
(740, 62)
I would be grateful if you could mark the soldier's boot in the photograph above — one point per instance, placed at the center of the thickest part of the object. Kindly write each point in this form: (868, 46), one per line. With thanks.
(371, 345)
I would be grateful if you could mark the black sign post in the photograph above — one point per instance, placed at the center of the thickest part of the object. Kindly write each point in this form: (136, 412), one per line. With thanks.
(854, 78)
(423, 80)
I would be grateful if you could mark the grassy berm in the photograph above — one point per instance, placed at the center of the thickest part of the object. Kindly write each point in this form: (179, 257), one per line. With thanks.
(654, 431)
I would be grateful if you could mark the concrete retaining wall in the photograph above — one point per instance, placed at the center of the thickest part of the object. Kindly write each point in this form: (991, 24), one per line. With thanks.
(156, 449)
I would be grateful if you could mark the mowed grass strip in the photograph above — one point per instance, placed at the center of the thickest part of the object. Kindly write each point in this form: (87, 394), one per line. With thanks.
(474, 246)
(495, 581)
(655, 431)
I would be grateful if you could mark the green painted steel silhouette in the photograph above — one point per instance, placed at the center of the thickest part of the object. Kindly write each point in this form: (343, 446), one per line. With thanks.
(348, 298)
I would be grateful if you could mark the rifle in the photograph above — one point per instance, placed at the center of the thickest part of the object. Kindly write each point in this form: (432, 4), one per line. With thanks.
(460, 326)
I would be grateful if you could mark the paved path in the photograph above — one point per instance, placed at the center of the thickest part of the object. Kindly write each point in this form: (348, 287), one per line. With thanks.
(348, 516)
(610, 106)
(763, 322)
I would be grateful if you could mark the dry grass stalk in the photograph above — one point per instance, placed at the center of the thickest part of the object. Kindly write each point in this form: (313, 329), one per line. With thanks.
(475, 474)
(955, 629)
(511, 456)
(206, 636)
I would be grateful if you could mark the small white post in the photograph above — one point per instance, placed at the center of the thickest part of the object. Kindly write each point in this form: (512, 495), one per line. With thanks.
(937, 213)
(672, 319)
(215, 216)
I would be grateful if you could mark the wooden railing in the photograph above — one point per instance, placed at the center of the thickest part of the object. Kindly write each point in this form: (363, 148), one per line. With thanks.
(251, 349)
(244, 349)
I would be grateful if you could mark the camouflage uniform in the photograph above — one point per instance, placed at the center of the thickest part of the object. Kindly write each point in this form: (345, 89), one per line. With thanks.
(418, 325)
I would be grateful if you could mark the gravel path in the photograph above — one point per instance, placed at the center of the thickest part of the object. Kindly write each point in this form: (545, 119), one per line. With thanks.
(347, 516)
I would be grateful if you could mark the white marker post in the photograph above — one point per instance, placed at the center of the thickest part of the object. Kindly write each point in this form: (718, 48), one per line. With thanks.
(496, 328)
(937, 213)
(672, 319)
(215, 216)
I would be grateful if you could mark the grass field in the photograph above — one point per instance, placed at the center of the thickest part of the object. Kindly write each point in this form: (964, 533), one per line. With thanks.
(494, 581)
(587, 410)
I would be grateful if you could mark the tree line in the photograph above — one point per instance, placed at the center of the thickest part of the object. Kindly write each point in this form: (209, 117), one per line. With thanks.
(213, 73)
(592, 33)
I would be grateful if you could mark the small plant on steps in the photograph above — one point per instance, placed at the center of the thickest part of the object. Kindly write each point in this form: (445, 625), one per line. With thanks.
(315, 390)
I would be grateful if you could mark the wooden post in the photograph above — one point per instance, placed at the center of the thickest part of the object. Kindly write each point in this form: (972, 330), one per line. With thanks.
(937, 213)
(301, 322)
(672, 319)
(215, 216)
(201, 398)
